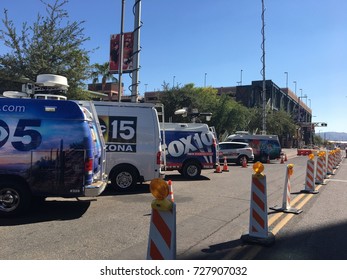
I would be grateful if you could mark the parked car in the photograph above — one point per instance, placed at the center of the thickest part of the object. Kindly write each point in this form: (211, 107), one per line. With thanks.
(235, 152)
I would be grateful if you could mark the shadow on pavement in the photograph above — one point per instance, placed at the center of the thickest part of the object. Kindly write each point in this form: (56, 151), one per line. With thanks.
(322, 243)
(49, 211)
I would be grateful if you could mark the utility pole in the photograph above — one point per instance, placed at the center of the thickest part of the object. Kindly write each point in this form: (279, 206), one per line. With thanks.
(121, 48)
(136, 50)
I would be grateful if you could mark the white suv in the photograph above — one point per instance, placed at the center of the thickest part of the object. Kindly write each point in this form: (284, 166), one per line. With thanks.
(235, 152)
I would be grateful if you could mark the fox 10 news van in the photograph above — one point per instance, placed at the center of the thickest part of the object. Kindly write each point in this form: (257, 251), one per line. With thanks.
(188, 148)
(132, 136)
(48, 148)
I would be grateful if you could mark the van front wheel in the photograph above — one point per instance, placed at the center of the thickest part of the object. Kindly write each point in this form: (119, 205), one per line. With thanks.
(124, 179)
(191, 170)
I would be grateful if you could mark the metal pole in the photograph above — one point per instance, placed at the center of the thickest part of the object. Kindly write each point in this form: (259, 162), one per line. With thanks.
(263, 69)
(136, 50)
(121, 48)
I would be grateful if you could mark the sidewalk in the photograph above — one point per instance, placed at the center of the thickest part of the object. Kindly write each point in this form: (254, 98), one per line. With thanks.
(320, 231)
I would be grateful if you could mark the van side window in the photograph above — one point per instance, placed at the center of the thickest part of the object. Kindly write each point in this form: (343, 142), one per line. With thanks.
(240, 140)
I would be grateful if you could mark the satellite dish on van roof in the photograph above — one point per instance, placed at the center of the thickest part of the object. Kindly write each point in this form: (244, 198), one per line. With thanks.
(50, 80)
(15, 94)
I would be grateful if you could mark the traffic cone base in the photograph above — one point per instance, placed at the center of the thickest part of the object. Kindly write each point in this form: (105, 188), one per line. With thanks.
(267, 241)
(309, 191)
(286, 210)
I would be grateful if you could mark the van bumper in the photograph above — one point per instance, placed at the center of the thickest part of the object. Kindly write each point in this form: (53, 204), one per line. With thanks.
(95, 189)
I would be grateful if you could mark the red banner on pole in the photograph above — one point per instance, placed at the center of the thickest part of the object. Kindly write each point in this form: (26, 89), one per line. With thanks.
(127, 52)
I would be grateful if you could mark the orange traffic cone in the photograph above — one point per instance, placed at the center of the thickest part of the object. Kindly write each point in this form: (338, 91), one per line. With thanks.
(218, 169)
(225, 165)
(268, 159)
(171, 193)
(244, 162)
(285, 157)
(282, 159)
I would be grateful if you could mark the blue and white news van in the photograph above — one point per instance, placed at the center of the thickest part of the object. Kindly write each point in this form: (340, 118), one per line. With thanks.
(188, 148)
(48, 148)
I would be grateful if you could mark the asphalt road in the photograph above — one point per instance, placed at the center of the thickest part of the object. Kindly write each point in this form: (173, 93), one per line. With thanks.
(212, 214)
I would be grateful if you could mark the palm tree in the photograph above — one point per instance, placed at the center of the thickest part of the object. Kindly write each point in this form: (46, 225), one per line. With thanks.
(103, 71)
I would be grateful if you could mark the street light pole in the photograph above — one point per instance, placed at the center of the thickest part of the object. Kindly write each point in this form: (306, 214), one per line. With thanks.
(286, 79)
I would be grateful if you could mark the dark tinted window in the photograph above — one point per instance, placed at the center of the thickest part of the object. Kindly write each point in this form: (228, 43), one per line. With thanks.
(228, 146)
(238, 146)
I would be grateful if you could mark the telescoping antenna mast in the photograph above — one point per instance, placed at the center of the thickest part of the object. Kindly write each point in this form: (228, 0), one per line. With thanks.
(263, 69)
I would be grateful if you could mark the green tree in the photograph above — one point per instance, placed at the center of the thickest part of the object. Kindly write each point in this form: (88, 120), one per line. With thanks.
(103, 71)
(229, 115)
(52, 45)
(188, 96)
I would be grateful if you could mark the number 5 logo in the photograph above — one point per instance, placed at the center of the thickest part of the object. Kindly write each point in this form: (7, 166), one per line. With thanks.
(30, 138)
(34, 135)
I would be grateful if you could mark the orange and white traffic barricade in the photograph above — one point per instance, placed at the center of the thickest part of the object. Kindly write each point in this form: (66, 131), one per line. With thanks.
(286, 194)
(162, 230)
(319, 179)
(330, 169)
(335, 159)
(258, 217)
(310, 176)
(325, 167)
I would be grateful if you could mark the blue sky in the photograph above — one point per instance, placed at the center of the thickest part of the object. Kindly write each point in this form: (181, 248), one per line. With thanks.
(184, 39)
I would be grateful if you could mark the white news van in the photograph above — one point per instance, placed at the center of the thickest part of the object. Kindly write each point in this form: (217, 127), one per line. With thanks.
(132, 136)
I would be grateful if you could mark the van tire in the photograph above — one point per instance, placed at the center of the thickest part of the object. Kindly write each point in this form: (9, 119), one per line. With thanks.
(15, 198)
(124, 178)
(263, 158)
(191, 170)
(240, 159)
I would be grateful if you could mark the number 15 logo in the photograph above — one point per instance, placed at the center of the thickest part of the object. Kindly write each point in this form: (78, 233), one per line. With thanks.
(119, 129)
